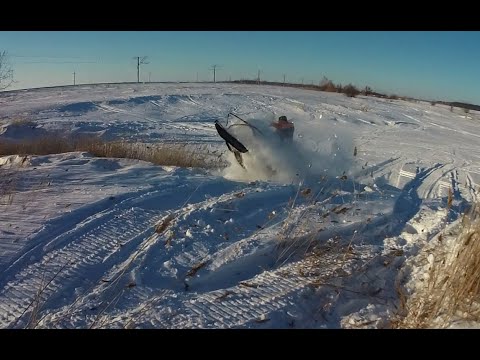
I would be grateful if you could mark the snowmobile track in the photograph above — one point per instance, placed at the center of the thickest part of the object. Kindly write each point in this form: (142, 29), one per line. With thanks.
(58, 272)
(243, 305)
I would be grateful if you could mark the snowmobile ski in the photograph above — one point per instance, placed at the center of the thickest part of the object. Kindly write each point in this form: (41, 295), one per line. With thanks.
(229, 139)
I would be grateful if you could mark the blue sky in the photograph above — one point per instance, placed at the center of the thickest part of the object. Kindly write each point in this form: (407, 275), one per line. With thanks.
(431, 65)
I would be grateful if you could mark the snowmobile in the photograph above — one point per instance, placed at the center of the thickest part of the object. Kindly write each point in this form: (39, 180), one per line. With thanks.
(259, 136)
(233, 144)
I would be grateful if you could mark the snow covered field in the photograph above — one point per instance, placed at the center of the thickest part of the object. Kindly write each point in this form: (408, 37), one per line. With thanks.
(90, 242)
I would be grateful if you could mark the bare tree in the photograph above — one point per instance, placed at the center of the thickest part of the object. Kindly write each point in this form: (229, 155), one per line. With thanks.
(324, 81)
(6, 71)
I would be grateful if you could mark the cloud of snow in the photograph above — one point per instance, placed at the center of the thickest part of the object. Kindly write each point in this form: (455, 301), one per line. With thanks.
(322, 150)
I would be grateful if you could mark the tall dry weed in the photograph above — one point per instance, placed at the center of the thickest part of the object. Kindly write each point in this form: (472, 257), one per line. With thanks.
(451, 294)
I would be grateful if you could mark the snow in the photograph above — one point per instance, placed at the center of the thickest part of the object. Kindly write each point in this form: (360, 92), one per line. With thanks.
(321, 243)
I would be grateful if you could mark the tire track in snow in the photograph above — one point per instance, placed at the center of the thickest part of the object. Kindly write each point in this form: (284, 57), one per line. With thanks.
(438, 183)
(119, 269)
(89, 252)
(87, 257)
(470, 185)
(173, 124)
(247, 303)
(58, 230)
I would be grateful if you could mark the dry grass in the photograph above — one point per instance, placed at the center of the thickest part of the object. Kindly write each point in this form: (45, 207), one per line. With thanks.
(39, 146)
(452, 289)
(8, 186)
(182, 155)
(9, 179)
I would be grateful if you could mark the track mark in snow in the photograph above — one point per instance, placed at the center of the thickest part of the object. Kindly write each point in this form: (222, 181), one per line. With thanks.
(471, 187)
(249, 301)
(412, 118)
(367, 122)
(245, 304)
(463, 132)
(83, 257)
(144, 253)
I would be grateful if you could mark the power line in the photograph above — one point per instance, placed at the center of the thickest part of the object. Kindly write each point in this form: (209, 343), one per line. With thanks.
(42, 59)
(56, 62)
(51, 57)
(214, 68)
(140, 61)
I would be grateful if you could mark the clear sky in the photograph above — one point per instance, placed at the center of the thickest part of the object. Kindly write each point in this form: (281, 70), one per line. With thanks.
(437, 65)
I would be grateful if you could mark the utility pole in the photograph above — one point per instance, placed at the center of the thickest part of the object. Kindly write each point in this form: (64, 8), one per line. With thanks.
(214, 68)
(149, 75)
(74, 78)
(140, 61)
(283, 79)
(258, 77)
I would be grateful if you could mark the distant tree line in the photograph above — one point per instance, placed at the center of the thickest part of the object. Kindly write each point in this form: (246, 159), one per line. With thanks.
(460, 105)
(352, 91)
(324, 85)
(349, 90)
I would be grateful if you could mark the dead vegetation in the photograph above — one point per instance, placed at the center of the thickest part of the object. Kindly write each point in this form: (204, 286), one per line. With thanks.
(8, 186)
(166, 154)
(196, 267)
(451, 293)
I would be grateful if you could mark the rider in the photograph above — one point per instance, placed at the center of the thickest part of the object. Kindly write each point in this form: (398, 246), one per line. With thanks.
(284, 128)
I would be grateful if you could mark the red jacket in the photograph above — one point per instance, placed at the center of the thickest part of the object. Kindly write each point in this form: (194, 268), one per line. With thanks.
(282, 125)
